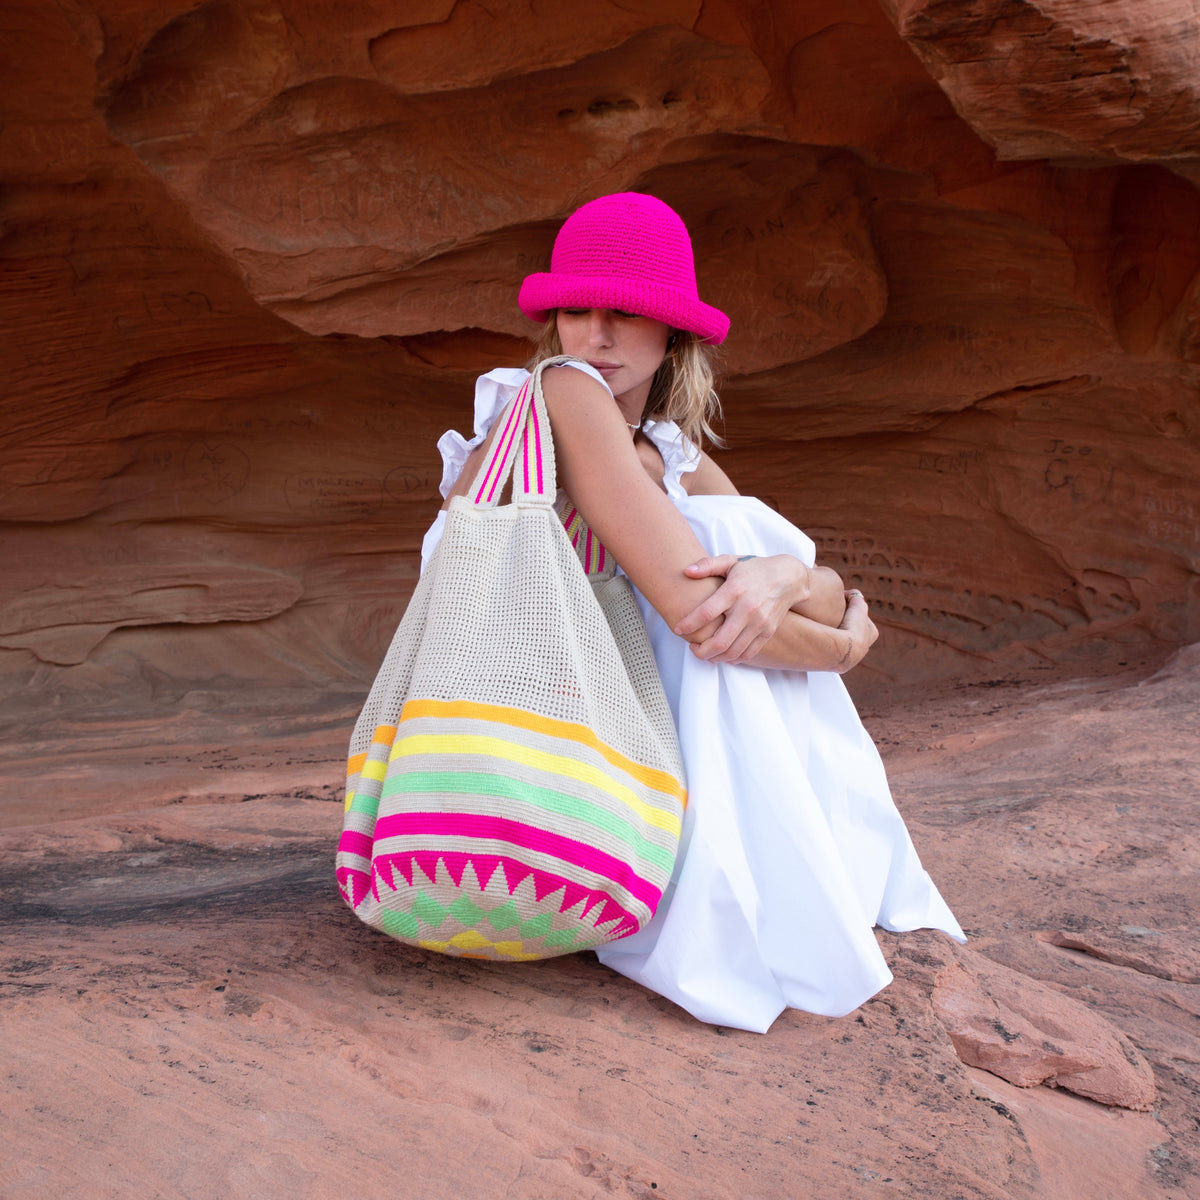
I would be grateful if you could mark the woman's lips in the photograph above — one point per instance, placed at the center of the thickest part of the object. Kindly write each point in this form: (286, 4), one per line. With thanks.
(605, 368)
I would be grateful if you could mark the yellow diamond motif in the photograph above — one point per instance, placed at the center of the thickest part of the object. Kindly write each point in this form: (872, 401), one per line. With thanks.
(515, 951)
(469, 939)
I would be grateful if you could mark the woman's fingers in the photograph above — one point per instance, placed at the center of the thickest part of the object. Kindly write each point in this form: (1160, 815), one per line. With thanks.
(859, 627)
(717, 564)
(715, 606)
(745, 630)
(751, 602)
(858, 616)
(743, 649)
(719, 602)
(743, 621)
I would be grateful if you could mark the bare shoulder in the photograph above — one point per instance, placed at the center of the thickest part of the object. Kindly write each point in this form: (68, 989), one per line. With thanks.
(708, 480)
(564, 384)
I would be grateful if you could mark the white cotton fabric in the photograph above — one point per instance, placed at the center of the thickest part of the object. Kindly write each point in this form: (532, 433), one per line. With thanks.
(792, 847)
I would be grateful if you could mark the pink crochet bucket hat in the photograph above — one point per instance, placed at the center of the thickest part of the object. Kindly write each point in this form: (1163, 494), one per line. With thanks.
(626, 251)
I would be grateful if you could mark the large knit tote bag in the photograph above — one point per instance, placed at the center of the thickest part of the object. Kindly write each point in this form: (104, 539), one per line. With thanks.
(515, 788)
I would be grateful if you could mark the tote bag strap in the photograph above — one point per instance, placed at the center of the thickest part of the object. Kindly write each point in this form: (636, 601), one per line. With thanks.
(597, 562)
(523, 449)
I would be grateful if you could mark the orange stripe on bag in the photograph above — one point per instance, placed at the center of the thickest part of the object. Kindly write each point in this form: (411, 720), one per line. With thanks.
(659, 780)
(384, 735)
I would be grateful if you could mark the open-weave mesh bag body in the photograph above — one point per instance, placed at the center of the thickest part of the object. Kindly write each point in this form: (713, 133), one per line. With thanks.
(514, 787)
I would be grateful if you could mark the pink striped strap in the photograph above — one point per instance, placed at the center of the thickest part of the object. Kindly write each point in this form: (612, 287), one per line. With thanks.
(595, 559)
(497, 465)
(525, 426)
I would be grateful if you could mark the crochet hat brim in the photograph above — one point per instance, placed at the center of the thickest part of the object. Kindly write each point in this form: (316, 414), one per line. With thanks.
(546, 291)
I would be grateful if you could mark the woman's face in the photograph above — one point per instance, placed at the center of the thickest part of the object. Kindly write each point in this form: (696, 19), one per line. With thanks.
(624, 348)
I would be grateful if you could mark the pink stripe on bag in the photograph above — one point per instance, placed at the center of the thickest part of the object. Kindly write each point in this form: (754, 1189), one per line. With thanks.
(512, 432)
(496, 452)
(517, 833)
(353, 842)
(537, 438)
(503, 446)
(520, 407)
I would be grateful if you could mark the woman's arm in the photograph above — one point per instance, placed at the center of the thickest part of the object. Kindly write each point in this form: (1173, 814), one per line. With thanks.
(600, 470)
(799, 639)
(757, 592)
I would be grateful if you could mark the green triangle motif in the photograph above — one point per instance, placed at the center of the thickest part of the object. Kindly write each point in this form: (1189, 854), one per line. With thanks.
(462, 918)
(427, 908)
(537, 926)
(504, 916)
(469, 913)
(560, 939)
(399, 924)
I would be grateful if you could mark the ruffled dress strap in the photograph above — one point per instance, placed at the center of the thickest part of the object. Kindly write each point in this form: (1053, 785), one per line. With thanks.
(493, 391)
(680, 457)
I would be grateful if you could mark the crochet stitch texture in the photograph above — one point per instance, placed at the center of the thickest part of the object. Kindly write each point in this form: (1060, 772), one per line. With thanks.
(626, 251)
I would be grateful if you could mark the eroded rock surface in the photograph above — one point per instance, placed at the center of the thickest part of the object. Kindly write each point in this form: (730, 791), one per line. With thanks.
(1022, 1031)
(1066, 78)
(191, 970)
(253, 255)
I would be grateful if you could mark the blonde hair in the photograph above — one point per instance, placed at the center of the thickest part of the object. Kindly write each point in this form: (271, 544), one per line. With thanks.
(682, 389)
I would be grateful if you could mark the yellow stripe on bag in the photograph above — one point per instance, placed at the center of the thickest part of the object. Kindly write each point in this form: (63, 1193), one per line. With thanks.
(553, 764)
(374, 770)
(660, 781)
(357, 766)
(384, 735)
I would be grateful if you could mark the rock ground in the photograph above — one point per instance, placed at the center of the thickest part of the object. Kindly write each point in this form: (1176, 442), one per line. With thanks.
(190, 1011)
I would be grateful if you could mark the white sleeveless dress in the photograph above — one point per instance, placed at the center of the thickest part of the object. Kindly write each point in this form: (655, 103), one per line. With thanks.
(792, 847)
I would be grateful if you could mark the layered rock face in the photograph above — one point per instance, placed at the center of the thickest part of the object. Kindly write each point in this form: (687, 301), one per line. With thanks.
(254, 254)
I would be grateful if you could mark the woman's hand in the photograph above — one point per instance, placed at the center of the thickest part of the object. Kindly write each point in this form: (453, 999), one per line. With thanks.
(756, 594)
(859, 630)
(754, 599)
(800, 643)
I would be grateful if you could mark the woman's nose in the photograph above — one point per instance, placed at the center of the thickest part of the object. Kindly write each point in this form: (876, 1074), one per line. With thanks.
(599, 327)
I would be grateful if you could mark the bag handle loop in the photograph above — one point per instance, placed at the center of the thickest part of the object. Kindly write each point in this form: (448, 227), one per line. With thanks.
(525, 436)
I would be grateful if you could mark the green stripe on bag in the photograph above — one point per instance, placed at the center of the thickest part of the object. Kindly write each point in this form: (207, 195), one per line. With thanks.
(469, 783)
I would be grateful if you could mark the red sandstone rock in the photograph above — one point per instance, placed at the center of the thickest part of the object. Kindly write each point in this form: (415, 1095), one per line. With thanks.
(1024, 1032)
(1065, 78)
(192, 971)
(1164, 953)
(971, 381)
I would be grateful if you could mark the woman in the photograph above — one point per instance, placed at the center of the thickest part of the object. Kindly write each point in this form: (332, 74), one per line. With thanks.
(792, 848)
